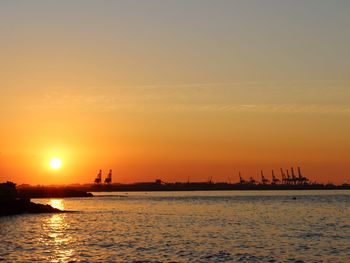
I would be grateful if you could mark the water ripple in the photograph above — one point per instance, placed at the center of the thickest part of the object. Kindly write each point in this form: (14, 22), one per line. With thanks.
(184, 227)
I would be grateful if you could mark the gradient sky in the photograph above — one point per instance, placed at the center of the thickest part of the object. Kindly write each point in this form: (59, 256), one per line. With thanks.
(174, 89)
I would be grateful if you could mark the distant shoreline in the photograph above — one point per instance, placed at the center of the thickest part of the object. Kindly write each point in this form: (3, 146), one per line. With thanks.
(153, 187)
(85, 190)
(51, 192)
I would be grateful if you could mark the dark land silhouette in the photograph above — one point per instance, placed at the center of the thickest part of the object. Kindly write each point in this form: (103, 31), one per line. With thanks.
(11, 203)
(289, 180)
(206, 186)
(19, 197)
(51, 192)
(158, 185)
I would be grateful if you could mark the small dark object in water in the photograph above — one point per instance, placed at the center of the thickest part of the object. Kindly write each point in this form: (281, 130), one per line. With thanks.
(294, 198)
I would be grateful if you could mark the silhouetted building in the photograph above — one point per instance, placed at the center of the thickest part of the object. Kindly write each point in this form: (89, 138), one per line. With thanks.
(158, 181)
(252, 180)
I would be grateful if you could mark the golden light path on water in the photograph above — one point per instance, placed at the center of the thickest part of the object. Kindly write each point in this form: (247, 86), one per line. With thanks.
(57, 203)
(58, 237)
(241, 226)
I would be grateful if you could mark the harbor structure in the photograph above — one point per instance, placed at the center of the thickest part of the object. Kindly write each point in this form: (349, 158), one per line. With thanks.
(263, 179)
(98, 179)
(108, 179)
(286, 178)
(274, 180)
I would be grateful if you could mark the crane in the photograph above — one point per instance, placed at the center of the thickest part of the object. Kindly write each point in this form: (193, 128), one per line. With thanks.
(99, 177)
(108, 179)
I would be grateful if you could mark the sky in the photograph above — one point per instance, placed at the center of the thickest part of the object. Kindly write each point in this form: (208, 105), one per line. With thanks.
(174, 90)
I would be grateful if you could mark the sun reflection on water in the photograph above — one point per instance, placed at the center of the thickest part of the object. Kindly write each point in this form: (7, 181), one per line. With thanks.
(56, 237)
(57, 203)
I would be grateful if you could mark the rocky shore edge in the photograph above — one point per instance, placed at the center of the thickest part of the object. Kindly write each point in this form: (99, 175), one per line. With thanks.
(17, 206)
(14, 202)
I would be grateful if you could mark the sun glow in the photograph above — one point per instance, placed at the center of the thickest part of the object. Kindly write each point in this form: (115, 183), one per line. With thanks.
(57, 203)
(55, 163)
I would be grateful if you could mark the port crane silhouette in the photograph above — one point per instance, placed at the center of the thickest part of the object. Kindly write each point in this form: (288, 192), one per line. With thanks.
(263, 179)
(99, 177)
(302, 179)
(287, 178)
(275, 180)
(241, 180)
(108, 179)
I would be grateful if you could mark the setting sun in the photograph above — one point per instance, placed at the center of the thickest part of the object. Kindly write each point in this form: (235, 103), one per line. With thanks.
(175, 131)
(55, 163)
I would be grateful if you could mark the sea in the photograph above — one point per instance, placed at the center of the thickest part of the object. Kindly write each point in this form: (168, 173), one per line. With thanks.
(203, 226)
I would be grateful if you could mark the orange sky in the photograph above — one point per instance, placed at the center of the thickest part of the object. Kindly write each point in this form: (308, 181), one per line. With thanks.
(170, 145)
(162, 91)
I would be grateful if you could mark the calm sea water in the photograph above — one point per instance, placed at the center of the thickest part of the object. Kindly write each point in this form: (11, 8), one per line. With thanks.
(260, 226)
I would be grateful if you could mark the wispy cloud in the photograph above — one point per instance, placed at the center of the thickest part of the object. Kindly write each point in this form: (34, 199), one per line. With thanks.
(307, 97)
(281, 108)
